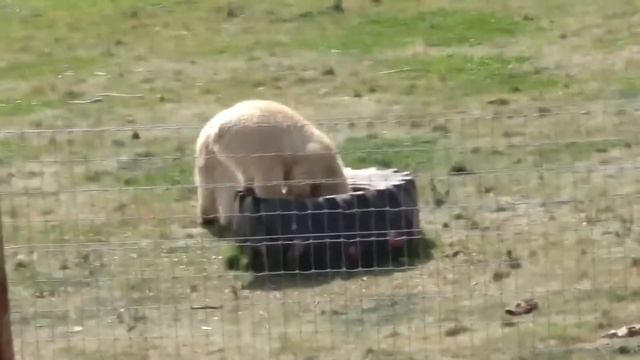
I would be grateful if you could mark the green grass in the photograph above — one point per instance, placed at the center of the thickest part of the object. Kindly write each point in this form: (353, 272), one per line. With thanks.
(70, 232)
(49, 67)
(622, 295)
(191, 58)
(570, 152)
(450, 27)
(162, 173)
(415, 154)
(7, 151)
(18, 148)
(465, 75)
(83, 41)
(437, 155)
(19, 107)
(627, 87)
(149, 162)
(563, 334)
(443, 27)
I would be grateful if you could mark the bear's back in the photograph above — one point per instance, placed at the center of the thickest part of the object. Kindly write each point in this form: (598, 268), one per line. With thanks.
(261, 112)
(267, 126)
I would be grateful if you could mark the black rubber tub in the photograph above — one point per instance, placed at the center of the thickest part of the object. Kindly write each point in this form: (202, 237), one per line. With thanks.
(376, 225)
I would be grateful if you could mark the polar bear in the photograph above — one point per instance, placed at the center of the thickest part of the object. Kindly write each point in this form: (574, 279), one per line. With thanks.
(258, 145)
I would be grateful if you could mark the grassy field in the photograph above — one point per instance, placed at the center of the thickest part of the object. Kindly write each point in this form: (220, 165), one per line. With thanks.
(535, 101)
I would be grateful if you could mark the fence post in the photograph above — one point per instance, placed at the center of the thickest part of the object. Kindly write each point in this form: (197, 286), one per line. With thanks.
(6, 339)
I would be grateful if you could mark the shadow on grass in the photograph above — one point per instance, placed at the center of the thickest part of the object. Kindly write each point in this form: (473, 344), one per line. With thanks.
(276, 282)
(272, 270)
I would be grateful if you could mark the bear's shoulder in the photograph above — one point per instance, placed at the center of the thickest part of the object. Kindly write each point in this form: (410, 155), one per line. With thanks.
(259, 112)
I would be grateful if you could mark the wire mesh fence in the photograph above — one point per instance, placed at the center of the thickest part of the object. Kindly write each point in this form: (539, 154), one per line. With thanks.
(106, 260)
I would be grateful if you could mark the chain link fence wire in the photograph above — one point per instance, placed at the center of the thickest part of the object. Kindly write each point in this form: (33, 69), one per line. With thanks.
(106, 260)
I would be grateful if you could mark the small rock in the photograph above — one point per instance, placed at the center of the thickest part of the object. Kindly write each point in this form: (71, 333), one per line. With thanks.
(337, 6)
(456, 330)
(84, 257)
(64, 265)
(415, 124)
(543, 110)
(624, 350)
(499, 101)
(522, 307)
(454, 254)
(500, 275)
(21, 262)
(233, 11)
(392, 334)
(513, 261)
(624, 332)
(75, 329)
(459, 169)
(328, 71)
(474, 225)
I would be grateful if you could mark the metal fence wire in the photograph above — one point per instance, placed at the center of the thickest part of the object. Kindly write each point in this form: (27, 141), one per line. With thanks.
(106, 260)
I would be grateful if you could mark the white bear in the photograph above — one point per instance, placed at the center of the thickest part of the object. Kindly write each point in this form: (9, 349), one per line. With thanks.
(258, 144)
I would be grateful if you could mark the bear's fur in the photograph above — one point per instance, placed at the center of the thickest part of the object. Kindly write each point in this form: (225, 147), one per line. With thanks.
(258, 144)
